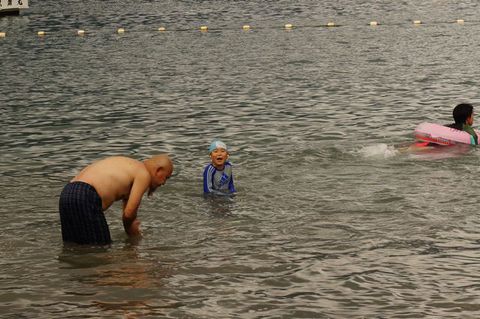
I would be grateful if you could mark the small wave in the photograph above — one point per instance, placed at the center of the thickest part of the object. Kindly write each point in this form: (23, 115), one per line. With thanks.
(378, 151)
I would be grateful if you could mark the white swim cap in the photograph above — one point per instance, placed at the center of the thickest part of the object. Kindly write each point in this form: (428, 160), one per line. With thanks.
(217, 144)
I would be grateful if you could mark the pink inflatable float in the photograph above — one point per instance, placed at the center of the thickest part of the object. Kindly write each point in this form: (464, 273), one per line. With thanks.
(442, 135)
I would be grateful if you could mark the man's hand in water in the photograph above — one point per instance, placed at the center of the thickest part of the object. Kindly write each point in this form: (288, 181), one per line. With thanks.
(133, 229)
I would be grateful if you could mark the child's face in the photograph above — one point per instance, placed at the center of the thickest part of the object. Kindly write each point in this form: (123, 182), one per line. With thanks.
(470, 120)
(219, 156)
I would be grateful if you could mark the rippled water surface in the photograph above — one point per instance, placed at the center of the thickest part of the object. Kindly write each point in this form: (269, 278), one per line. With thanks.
(333, 219)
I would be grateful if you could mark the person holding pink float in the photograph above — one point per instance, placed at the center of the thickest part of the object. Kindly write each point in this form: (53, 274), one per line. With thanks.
(460, 132)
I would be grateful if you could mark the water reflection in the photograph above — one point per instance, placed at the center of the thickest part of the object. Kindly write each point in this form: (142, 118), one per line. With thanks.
(219, 206)
(129, 277)
(438, 152)
(101, 266)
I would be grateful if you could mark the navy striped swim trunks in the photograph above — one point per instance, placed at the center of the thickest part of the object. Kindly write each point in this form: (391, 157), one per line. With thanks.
(81, 215)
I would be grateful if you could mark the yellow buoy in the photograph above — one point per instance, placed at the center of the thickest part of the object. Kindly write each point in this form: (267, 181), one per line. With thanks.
(246, 27)
(460, 21)
(3, 34)
(417, 22)
(288, 26)
(120, 30)
(373, 23)
(331, 24)
(81, 32)
(161, 29)
(41, 33)
(204, 28)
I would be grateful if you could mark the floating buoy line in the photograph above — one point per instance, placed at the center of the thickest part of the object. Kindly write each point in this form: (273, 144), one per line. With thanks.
(246, 27)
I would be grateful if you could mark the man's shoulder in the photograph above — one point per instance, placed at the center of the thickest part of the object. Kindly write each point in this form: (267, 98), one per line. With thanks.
(123, 166)
(121, 160)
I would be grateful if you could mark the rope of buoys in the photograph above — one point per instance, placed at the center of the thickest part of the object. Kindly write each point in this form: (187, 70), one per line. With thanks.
(246, 27)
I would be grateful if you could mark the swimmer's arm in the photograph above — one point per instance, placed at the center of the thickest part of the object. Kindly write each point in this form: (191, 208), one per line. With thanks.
(231, 186)
(208, 179)
(139, 187)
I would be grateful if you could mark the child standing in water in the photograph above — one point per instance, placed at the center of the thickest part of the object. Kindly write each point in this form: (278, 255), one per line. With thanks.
(218, 176)
(463, 116)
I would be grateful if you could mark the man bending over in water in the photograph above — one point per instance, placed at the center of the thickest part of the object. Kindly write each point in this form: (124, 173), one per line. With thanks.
(85, 198)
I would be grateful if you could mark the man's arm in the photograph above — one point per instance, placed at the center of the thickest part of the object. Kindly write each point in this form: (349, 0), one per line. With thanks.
(139, 187)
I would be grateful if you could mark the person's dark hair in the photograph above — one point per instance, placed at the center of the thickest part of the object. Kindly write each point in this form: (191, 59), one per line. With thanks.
(460, 114)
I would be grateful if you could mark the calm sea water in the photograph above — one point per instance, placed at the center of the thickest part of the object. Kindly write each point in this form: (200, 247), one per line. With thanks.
(332, 218)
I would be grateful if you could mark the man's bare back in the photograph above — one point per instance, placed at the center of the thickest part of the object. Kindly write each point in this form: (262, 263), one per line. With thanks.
(113, 177)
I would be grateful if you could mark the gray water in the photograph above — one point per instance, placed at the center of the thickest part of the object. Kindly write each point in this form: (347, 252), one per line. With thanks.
(331, 220)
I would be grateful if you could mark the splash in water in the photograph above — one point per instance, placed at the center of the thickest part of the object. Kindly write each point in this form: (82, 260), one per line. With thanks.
(379, 151)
